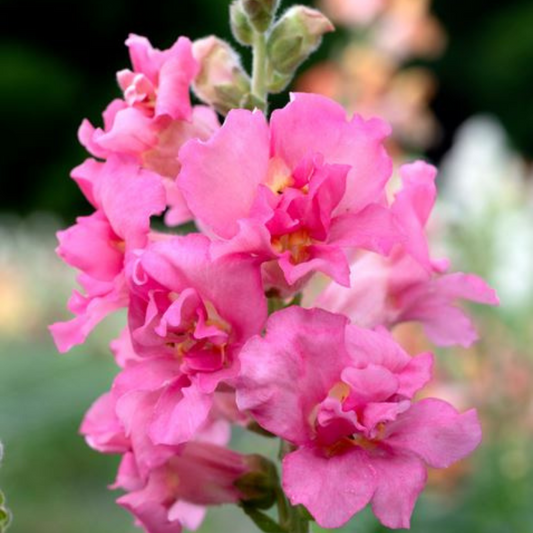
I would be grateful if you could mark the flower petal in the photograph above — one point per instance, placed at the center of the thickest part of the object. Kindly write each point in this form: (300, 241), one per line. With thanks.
(333, 488)
(219, 178)
(436, 432)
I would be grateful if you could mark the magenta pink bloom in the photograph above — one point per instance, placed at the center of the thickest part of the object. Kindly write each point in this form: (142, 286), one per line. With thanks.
(298, 192)
(125, 197)
(168, 486)
(155, 117)
(408, 285)
(197, 312)
(342, 395)
(177, 492)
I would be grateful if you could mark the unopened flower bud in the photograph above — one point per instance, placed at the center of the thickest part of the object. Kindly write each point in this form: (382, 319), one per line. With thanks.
(295, 36)
(221, 82)
(278, 82)
(258, 485)
(260, 12)
(240, 25)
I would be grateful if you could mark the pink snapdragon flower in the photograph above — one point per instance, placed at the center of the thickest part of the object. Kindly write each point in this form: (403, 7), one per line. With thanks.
(296, 193)
(342, 395)
(196, 312)
(99, 245)
(155, 117)
(168, 486)
(177, 492)
(408, 285)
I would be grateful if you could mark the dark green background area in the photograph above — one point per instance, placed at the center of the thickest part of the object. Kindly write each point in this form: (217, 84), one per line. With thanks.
(58, 60)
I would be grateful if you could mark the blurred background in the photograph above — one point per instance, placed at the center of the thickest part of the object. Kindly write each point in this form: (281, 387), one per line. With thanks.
(454, 79)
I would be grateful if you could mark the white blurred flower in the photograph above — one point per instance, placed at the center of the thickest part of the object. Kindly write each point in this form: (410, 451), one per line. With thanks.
(487, 204)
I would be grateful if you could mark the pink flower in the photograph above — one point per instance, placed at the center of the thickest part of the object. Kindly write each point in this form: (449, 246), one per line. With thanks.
(155, 117)
(342, 395)
(168, 486)
(297, 193)
(408, 285)
(353, 12)
(125, 197)
(177, 492)
(197, 312)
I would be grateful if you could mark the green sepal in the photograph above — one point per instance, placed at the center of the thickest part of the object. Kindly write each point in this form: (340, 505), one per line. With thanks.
(260, 13)
(251, 101)
(240, 25)
(262, 521)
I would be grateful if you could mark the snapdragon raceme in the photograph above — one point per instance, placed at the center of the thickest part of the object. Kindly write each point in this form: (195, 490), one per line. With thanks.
(276, 201)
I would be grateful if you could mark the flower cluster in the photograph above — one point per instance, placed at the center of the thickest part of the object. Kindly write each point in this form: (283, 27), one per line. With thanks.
(277, 201)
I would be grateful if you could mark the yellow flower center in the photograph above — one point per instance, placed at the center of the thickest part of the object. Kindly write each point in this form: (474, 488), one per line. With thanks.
(278, 176)
(297, 243)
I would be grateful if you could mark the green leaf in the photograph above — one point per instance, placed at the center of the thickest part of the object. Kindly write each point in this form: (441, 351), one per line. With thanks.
(263, 521)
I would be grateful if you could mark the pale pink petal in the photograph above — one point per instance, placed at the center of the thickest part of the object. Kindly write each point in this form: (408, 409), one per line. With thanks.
(329, 260)
(374, 383)
(143, 56)
(412, 206)
(75, 331)
(332, 488)
(148, 375)
(175, 77)
(102, 428)
(123, 351)
(443, 323)
(188, 514)
(400, 479)
(436, 432)
(377, 347)
(467, 287)
(372, 229)
(132, 133)
(92, 247)
(219, 178)
(151, 516)
(365, 300)
(416, 374)
(178, 212)
(87, 135)
(129, 196)
(87, 175)
(292, 369)
(178, 419)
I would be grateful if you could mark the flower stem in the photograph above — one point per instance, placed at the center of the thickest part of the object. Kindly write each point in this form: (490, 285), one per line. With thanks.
(259, 67)
(290, 517)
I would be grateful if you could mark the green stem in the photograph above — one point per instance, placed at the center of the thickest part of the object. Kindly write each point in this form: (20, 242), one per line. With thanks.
(290, 517)
(259, 67)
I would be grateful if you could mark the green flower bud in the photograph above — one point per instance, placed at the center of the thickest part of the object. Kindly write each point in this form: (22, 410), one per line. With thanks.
(258, 486)
(278, 82)
(221, 82)
(295, 36)
(260, 12)
(240, 25)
